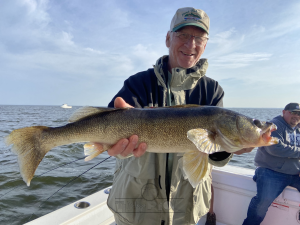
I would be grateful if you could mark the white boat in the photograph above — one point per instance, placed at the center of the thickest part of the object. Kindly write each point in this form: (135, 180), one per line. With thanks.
(65, 106)
(233, 188)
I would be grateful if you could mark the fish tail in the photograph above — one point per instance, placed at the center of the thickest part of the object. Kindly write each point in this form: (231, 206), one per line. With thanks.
(30, 149)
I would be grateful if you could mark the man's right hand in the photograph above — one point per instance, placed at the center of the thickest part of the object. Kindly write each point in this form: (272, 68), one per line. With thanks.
(125, 146)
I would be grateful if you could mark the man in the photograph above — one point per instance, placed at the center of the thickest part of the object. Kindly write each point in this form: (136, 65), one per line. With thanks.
(278, 165)
(150, 188)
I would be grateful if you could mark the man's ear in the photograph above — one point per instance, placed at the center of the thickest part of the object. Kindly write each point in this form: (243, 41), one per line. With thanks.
(168, 39)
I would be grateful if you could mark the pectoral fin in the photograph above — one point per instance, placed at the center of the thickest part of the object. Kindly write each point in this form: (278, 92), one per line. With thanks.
(194, 165)
(204, 140)
(91, 150)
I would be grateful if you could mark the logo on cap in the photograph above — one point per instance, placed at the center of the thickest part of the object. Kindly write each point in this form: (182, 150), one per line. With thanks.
(297, 106)
(191, 16)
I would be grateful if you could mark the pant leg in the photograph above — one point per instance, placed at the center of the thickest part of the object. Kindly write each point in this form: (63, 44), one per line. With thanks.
(269, 186)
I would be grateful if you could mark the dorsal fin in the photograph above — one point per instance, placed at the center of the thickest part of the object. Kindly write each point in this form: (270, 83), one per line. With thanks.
(86, 111)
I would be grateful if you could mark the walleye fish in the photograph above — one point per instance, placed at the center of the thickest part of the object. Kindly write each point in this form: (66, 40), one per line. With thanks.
(193, 130)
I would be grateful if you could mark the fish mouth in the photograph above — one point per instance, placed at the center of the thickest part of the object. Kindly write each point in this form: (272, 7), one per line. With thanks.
(266, 135)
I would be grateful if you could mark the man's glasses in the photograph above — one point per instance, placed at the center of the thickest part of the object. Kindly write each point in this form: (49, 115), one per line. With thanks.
(186, 37)
(296, 113)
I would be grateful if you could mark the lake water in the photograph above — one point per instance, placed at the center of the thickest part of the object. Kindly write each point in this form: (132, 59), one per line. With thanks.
(20, 204)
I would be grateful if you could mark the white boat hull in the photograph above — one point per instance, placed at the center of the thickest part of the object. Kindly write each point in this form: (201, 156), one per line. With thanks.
(233, 188)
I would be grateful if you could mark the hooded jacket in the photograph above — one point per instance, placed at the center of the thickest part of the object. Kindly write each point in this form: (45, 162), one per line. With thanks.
(138, 195)
(283, 157)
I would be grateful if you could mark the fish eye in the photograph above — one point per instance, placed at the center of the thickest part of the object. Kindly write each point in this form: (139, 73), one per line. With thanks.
(257, 123)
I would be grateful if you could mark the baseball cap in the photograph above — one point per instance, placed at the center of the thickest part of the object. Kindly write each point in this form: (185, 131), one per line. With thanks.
(292, 107)
(190, 16)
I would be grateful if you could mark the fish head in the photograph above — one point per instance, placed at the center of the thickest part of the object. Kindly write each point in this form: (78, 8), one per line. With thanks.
(255, 133)
(235, 132)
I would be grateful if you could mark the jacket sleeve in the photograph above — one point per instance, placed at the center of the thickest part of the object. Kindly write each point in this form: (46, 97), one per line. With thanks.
(133, 91)
(218, 96)
(219, 158)
(282, 149)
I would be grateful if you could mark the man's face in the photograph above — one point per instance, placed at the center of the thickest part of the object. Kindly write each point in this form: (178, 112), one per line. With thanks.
(181, 54)
(290, 118)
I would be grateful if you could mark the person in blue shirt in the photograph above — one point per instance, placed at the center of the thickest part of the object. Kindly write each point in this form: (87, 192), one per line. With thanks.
(278, 165)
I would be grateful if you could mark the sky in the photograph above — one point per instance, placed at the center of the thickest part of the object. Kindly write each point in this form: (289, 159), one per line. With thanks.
(80, 52)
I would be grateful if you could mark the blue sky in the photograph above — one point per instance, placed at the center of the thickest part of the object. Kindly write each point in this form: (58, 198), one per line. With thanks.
(80, 52)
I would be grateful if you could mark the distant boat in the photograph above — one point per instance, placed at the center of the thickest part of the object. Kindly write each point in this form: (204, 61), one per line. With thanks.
(65, 106)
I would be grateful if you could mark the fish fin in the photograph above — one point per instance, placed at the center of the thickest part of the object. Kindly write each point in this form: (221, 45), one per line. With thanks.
(91, 150)
(88, 111)
(28, 147)
(204, 140)
(225, 143)
(194, 165)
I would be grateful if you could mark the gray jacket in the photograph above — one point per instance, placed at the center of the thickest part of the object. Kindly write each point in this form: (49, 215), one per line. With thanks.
(283, 157)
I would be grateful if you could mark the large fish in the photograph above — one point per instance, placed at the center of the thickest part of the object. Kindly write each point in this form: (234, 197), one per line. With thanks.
(193, 130)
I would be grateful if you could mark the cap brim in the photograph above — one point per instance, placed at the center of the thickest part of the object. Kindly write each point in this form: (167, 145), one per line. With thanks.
(189, 24)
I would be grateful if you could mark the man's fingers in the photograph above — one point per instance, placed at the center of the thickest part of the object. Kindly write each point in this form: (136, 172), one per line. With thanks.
(124, 147)
(140, 150)
(118, 147)
(120, 103)
(133, 140)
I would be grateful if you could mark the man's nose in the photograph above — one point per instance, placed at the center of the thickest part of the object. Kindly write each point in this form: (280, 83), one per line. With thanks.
(191, 42)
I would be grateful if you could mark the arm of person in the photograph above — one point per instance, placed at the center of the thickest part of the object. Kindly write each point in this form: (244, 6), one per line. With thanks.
(282, 149)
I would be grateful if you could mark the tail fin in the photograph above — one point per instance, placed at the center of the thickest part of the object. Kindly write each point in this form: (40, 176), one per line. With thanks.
(28, 146)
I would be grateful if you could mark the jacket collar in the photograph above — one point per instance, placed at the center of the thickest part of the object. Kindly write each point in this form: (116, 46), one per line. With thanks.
(182, 79)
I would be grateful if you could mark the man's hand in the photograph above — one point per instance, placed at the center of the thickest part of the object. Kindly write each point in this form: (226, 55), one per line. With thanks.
(125, 146)
(244, 150)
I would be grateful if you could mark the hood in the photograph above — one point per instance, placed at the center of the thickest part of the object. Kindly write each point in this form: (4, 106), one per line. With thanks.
(182, 79)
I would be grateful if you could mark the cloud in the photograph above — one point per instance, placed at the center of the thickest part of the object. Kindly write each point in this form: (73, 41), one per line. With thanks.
(95, 45)
(144, 56)
(225, 35)
(237, 60)
(225, 42)
(35, 42)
